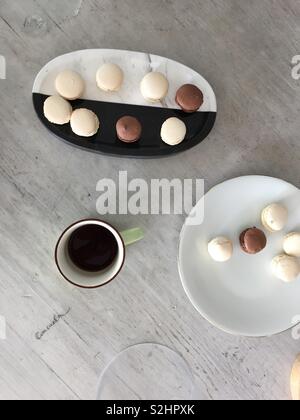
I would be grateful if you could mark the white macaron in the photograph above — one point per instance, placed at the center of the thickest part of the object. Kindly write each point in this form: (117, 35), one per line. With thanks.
(70, 85)
(295, 380)
(286, 268)
(110, 77)
(84, 122)
(291, 244)
(57, 110)
(173, 131)
(275, 217)
(154, 87)
(220, 249)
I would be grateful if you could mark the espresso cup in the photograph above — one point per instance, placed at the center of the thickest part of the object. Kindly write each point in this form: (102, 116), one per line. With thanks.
(85, 279)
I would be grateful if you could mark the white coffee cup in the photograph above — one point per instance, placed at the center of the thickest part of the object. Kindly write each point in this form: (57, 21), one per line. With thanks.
(84, 279)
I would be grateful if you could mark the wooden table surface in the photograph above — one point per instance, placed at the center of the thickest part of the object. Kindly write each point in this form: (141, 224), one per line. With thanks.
(244, 48)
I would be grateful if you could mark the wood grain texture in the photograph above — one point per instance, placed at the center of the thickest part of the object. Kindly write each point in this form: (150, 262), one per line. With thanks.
(244, 48)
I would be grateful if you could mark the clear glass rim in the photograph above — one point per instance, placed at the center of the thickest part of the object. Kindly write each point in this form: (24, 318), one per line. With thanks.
(135, 346)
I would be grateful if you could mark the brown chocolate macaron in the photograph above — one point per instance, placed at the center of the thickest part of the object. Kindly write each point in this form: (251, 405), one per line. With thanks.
(253, 241)
(189, 98)
(129, 129)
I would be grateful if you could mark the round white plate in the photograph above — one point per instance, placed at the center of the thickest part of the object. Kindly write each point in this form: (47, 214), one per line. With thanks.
(242, 296)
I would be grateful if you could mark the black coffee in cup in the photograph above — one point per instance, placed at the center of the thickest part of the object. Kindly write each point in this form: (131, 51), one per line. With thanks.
(93, 248)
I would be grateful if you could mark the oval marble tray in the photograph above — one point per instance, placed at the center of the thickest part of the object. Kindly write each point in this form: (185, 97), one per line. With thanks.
(128, 101)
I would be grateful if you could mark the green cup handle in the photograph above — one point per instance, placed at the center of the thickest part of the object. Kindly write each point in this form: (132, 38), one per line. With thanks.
(132, 236)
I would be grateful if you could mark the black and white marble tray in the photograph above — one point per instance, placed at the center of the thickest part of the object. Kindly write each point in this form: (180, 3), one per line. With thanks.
(128, 101)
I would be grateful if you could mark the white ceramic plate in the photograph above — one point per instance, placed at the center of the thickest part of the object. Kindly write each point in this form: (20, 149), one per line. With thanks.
(242, 296)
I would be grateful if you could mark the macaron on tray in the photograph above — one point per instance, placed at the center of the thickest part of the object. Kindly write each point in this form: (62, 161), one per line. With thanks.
(124, 103)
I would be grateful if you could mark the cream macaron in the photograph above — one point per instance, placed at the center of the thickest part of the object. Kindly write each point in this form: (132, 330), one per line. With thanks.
(291, 244)
(57, 110)
(70, 85)
(220, 249)
(295, 380)
(173, 131)
(110, 77)
(274, 217)
(154, 87)
(84, 122)
(286, 268)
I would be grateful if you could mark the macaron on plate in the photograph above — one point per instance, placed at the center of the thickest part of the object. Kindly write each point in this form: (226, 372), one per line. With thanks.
(238, 291)
(152, 95)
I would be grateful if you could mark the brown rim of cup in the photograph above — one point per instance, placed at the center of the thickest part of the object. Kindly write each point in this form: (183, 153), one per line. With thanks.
(64, 233)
